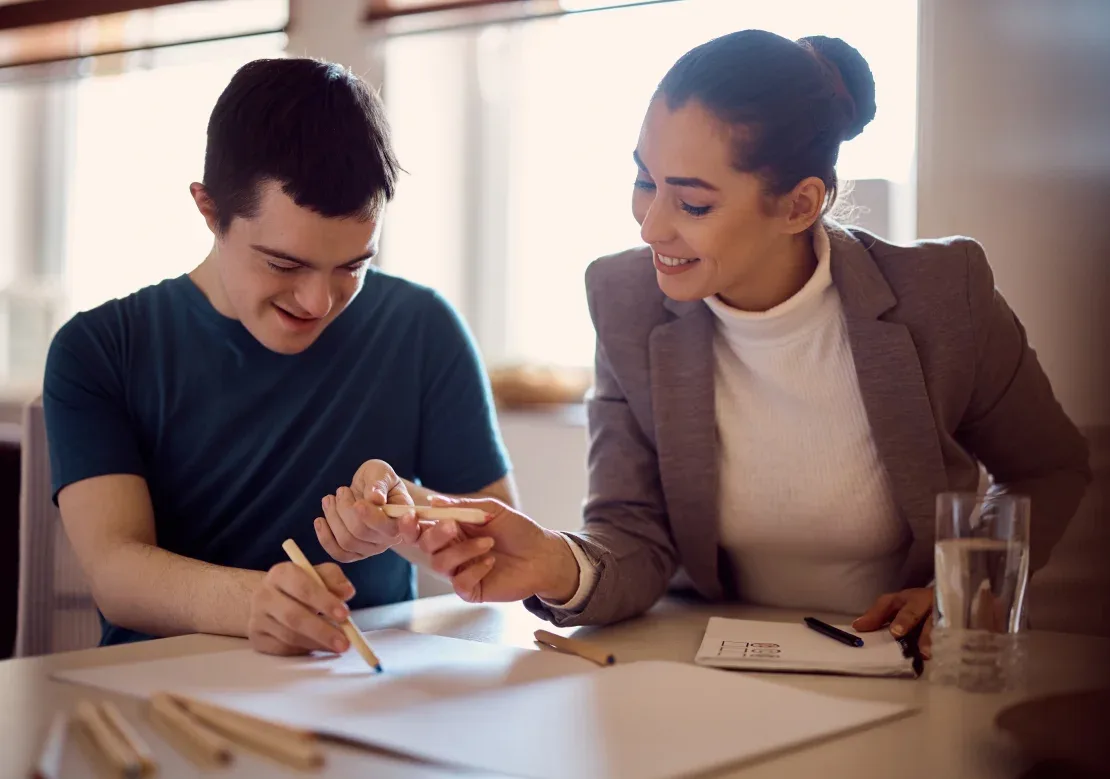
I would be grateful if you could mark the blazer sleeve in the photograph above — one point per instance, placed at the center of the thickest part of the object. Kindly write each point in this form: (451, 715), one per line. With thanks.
(626, 533)
(1014, 424)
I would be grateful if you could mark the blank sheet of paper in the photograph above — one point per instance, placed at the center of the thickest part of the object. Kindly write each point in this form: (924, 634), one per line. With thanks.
(317, 692)
(644, 720)
(512, 711)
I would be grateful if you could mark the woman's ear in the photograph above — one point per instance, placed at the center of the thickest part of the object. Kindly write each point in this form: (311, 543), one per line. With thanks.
(805, 203)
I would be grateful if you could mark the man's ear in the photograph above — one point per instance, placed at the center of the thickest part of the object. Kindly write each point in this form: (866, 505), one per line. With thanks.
(804, 205)
(206, 206)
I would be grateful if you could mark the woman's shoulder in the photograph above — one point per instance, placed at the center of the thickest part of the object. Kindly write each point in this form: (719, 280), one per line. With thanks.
(948, 255)
(622, 287)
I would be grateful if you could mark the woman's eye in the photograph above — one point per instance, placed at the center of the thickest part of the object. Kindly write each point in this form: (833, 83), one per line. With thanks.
(694, 210)
(646, 186)
(282, 268)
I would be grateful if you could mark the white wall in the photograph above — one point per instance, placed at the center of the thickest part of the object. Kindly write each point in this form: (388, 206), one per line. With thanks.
(1014, 150)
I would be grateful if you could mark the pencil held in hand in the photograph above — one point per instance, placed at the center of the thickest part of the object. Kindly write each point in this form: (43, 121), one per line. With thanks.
(463, 516)
(350, 629)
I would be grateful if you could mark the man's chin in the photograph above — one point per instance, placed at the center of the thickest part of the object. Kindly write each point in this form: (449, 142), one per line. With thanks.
(278, 340)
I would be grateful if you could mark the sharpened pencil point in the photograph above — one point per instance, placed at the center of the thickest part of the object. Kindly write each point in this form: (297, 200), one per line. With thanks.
(378, 668)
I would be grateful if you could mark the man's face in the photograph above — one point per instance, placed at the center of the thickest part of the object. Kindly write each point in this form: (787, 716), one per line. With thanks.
(287, 272)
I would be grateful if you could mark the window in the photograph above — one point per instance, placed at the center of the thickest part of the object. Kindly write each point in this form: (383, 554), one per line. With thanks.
(100, 153)
(518, 137)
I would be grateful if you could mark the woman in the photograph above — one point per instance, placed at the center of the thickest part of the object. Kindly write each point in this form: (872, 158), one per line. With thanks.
(778, 400)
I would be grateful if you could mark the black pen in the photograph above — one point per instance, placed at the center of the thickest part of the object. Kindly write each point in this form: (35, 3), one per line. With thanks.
(834, 633)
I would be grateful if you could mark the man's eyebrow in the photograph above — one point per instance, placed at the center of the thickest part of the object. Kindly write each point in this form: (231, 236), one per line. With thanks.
(280, 255)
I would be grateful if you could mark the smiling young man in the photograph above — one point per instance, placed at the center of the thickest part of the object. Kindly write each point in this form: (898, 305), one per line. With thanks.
(197, 423)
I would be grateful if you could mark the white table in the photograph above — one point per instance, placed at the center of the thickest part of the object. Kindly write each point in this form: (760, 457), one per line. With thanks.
(952, 736)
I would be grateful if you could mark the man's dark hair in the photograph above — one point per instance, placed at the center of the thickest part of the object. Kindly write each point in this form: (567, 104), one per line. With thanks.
(313, 127)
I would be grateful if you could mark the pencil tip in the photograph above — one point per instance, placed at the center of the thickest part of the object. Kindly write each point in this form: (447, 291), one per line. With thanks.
(378, 668)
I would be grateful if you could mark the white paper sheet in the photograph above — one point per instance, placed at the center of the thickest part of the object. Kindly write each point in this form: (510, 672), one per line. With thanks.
(513, 711)
(791, 646)
(645, 720)
(313, 692)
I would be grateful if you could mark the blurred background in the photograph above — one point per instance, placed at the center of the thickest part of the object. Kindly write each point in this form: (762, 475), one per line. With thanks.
(515, 120)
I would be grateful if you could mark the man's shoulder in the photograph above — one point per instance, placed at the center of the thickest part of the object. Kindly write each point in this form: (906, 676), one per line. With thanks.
(391, 302)
(107, 329)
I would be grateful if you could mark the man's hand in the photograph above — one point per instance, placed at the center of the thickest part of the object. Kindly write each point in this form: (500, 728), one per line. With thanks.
(291, 614)
(354, 527)
(523, 559)
(903, 610)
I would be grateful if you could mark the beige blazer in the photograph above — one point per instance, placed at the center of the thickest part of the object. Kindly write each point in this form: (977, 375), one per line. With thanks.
(946, 374)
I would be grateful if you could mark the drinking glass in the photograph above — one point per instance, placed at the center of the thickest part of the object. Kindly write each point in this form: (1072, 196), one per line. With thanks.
(982, 570)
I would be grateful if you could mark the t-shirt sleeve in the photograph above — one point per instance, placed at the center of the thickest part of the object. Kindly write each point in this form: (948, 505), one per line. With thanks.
(460, 449)
(88, 428)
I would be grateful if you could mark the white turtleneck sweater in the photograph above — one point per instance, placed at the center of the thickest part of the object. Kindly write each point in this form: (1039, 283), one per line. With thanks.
(805, 507)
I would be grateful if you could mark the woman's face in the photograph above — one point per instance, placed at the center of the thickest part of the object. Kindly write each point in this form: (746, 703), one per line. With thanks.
(712, 229)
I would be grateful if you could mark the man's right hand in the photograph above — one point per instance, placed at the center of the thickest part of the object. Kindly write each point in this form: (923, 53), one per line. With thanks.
(292, 615)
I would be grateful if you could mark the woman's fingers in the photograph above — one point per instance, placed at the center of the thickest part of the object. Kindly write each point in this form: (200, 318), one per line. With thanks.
(918, 605)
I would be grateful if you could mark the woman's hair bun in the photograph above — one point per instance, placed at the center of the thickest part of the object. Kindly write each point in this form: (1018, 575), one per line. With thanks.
(853, 71)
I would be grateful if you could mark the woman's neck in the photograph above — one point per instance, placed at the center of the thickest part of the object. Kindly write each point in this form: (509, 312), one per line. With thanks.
(781, 275)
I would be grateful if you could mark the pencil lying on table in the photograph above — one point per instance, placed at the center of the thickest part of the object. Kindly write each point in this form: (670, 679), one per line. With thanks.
(463, 516)
(573, 646)
(121, 756)
(350, 629)
(202, 745)
(291, 746)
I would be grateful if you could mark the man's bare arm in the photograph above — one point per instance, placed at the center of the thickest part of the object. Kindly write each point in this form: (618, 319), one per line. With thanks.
(137, 585)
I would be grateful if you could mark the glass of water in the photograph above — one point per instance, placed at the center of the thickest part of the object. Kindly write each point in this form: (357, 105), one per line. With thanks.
(982, 569)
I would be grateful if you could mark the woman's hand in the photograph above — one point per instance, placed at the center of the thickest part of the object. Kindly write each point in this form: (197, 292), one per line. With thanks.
(903, 610)
(523, 559)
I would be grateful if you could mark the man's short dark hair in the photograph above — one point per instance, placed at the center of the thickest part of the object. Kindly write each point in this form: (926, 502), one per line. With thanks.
(313, 127)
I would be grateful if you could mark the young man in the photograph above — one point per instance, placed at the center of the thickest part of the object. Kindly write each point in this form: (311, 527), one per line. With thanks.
(196, 424)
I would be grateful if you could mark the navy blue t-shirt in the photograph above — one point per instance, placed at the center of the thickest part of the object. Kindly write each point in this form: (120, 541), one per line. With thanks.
(239, 444)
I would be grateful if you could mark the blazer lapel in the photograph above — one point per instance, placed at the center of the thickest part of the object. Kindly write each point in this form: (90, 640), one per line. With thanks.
(686, 436)
(894, 394)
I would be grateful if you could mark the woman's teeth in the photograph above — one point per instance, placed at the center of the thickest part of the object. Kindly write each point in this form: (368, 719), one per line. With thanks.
(673, 261)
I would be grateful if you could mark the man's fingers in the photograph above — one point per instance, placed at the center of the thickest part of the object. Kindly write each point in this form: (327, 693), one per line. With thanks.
(879, 613)
(925, 643)
(336, 581)
(447, 561)
(297, 584)
(331, 546)
(293, 642)
(346, 540)
(916, 606)
(300, 620)
(468, 582)
(363, 520)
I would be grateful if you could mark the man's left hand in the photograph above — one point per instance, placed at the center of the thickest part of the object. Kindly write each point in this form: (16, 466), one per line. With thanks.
(354, 526)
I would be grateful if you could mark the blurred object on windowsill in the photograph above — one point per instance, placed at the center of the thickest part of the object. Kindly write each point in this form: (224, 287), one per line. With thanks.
(529, 386)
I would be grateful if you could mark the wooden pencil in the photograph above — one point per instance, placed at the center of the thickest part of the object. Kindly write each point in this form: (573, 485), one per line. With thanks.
(350, 629)
(464, 516)
(573, 646)
(116, 753)
(49, 765)
(130, 736)
(204, 746)
(286, 745)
